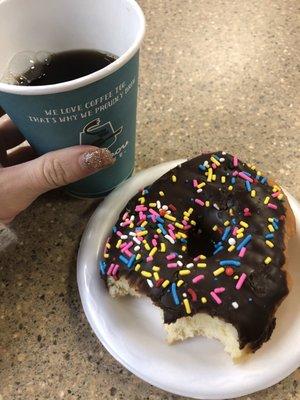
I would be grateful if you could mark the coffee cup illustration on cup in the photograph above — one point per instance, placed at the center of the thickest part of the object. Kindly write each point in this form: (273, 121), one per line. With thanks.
(100, 135)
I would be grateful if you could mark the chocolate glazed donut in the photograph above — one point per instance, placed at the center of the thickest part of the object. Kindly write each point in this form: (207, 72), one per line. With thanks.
(207, 237)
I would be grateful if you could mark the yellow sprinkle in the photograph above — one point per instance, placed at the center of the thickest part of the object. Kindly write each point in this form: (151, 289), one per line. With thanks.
(186, 218)
(108, 246)
(230, 188)
(131, 225)
(119, 242)
(183, 235)
(267, 199)
(184, 272)
(253, 167)
(190, 210)
(280, 196)
(177, 235)
(201, 265)
(163, 247)
(152, 204)
(144, 223)
(203, 300)
(215, 228)
(155, 268)
(253, 193)
(231, 212)
(158, 231)
(166, 283)
(178, 225)
(219, 271)
(226, 223)
(142, 233)
(210, 174)
(201, 185)
(214, 160)
(146, 274)
(269, 243)
(236, 277)
(183, 248)
(271, 228)
(174, 178)
(258, 173)
(207, 203)
(180, 283)
(271, 219)
(223, 179)
(214, 177)
(153, 251)
(137, 267)
(161, 193)
(231, 248)
(202, 257)
(186, 214)
(156, 276)
(170, 217)
(138, 257)
(193, 222)
(142, 200)
(106, 255)
(244, 224)
(240, 230)
(239, 235)
(147, 247)
(268, 260)
(187, 306)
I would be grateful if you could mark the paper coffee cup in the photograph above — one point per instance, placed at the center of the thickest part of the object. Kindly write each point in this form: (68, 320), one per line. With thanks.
(99, 108)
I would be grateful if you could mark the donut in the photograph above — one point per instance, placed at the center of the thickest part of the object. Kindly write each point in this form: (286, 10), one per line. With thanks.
(207, 244)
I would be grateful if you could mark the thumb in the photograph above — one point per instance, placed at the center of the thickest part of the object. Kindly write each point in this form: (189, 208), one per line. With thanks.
(23, 183)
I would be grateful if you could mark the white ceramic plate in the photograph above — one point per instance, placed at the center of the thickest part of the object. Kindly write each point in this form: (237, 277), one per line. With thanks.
(132, 331)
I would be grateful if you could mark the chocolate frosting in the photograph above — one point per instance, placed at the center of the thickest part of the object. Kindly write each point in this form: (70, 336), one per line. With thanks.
(213, 242)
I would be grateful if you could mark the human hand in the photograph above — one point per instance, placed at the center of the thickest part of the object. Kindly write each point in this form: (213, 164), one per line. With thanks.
(23, 177)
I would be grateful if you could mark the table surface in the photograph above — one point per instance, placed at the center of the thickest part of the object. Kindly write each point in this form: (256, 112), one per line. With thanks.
(214, 75)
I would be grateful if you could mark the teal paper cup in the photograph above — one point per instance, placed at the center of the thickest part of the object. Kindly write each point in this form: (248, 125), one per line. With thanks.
(97, 109)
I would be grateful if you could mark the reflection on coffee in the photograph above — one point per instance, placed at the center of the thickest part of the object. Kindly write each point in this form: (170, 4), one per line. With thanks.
(43, 68)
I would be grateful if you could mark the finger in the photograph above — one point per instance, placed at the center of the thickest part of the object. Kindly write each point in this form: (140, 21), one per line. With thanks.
(10, 136)
(19, 156)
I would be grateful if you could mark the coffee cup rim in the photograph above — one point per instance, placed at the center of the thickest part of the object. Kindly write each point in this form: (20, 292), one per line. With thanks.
(86, 79)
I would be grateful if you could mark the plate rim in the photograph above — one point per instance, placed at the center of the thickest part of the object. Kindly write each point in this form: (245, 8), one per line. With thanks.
(83, 248)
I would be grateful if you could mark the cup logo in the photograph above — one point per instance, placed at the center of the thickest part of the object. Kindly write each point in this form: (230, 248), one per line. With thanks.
(101, 135)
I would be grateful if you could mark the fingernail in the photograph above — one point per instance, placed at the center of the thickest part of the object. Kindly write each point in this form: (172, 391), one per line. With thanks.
(97, 159)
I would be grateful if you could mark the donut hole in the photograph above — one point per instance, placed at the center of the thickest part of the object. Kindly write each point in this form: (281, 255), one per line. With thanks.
(200, 241)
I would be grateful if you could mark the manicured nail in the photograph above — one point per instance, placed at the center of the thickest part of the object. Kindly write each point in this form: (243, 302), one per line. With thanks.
(97, 159)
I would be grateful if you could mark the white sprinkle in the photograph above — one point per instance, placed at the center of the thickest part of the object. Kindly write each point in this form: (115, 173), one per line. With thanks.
(179, 263)
(189, 265)
(205, 163)
(184, 295)
(132, 233)
(216, 206)
(224, 153)
(158, 203)
(235, 305)
(221, 159)
(165, 207)
(124, 237)
(136, 248)
(180, 256)
(150, 283)
(168, 212)
(199, 190)
(136, 240)
(132, 218)
(170, 239)
(231, 241)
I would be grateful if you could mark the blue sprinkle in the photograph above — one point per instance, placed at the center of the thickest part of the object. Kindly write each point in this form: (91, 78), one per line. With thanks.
(233, 263)
(233, 221)
(275, 225)
(123, 259)
(131, 261)
(160, 219)
(114, 229)
(244, 242)
(263, 181)
(140, 228)
(257, 178)
(175, 295)
(145, 191)
(218, 244)
(269, 235)
(201, 167)
(226, 233)
(102, 265)
(162, 229)
(247, 173)
(233, 180)
(218, 249)
(248, 186)
(183, 240)
(276, 219)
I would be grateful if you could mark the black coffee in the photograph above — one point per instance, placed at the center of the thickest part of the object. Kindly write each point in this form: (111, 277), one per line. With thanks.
(64, 66)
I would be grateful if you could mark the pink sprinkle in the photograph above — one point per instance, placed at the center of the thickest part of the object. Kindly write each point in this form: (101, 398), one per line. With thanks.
(171, 233)
(128, 253)
(276, 194)
(149, 258)
(246, 210)
(110, 269)
(115, 270)
(214, 165)
(196, 258)
(216, 298)
(142, 216)
(153, 218)
(198, 278)
(141, 208)
(126, 223)
(200, 202)
(242, 252)
(245, 177)
(234, 230)
(172, 265)
(171, 226)
(273, 206)
(187, 227)
(119, 233)
(195, 182)
(125, 215)
(171, 256)
(126, 247)
(123, 245)
(241, 281)
(235, 173)
(156, 236)
(154, 242)
(219, 290)
(184, 222)
(153, 212)
(235, 161)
